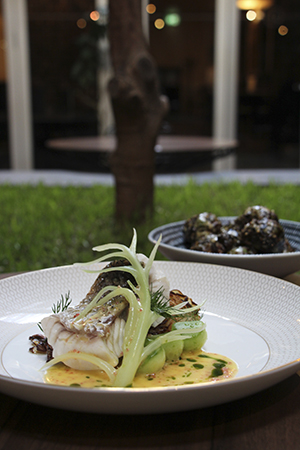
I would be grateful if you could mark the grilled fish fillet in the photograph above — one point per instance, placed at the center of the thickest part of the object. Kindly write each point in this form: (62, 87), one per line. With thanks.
(102, 335)
(63, 341)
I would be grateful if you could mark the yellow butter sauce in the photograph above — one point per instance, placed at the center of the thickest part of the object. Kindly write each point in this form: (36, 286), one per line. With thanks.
(192, 368)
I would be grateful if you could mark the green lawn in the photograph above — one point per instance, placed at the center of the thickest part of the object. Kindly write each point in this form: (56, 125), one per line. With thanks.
(44, 226)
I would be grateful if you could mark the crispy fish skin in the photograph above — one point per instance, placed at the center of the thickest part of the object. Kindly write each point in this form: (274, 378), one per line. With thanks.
(98, 321)
(99, 325)
(116, 307)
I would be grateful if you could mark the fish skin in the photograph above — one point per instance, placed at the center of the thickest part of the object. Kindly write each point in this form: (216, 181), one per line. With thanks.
(118, 306)
(100, 325)
(105, 314)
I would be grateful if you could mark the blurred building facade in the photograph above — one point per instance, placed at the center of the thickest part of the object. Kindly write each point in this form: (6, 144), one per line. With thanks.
(65, 62)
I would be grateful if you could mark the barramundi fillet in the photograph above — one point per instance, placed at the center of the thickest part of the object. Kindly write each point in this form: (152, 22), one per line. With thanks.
(101, 331)
(63, 341)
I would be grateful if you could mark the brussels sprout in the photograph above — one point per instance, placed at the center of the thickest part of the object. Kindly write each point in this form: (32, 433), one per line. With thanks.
(256, 231)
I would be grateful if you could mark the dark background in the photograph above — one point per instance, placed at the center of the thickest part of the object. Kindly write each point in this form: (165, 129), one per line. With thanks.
(65, 60)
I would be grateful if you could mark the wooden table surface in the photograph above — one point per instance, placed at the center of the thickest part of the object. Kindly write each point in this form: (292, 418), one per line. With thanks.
(165, 144)
(183, 153)
(267, 420)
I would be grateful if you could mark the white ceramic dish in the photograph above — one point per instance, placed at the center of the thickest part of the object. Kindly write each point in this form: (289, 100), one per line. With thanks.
(276, 264)
(250, 317)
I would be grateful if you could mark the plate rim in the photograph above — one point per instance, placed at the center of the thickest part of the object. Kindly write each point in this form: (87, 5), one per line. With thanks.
(281, 372)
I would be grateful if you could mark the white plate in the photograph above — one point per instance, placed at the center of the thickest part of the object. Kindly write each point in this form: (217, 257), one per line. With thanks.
(252, 318)
(277, 264)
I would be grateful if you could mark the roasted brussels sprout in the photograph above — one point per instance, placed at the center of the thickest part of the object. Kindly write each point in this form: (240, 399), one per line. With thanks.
(208, 242)
(259, 213)
(198, 224)
(264, 236)
(257, 230)
(229, 238)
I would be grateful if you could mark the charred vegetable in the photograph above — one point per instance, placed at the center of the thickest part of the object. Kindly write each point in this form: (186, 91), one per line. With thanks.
(197, 225)
(256, 231)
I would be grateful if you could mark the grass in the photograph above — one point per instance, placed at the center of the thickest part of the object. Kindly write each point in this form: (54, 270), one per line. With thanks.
(42, 226)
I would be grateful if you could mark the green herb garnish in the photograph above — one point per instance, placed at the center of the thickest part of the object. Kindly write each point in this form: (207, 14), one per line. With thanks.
(62, 304)
(160, 306)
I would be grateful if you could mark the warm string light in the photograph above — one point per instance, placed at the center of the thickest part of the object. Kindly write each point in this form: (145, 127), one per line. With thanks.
(172, 17)
(283, 30)
(251, 15)
(150, 8)
(255, 8)
(81, 23)
(95, 15)
(159, 24)
(254, 5)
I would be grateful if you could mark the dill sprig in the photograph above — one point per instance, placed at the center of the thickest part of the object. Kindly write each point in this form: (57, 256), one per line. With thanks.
(59, 306)
(62, 304)
(40, 327)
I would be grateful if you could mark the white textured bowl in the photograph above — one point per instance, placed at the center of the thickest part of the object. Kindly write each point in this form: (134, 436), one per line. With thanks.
(251, 318)
(276, 264)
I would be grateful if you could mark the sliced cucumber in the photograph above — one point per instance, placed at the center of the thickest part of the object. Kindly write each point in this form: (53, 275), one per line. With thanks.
(188, 326)
(154, 362)
(195, 342)
(173, 350)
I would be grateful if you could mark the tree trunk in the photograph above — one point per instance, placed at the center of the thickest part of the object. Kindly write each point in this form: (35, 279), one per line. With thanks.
(138, 110)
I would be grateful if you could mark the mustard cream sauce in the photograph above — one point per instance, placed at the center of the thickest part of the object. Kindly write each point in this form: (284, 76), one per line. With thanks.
(192, 368)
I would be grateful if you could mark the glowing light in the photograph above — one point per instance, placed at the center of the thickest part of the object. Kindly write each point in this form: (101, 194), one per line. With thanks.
(159, 24)
(81, 23)
(283, 30)
(94, 16)
(173, 19)
(150, 8)
(254, 4)
(251, 15)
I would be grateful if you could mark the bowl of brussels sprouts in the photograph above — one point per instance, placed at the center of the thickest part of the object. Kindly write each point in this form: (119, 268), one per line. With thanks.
(256, 240)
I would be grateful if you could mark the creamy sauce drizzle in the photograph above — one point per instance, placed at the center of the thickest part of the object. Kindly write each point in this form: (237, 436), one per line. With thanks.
(192, 368)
